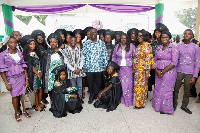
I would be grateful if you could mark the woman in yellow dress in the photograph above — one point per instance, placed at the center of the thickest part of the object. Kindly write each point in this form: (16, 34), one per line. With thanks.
(143, 62)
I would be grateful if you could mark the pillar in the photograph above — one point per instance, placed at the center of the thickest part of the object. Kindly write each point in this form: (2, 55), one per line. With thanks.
(197, 30)
(8, 19)
(159, 8)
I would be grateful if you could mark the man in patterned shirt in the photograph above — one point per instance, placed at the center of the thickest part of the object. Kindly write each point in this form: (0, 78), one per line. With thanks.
(95, 61)
(187, 68)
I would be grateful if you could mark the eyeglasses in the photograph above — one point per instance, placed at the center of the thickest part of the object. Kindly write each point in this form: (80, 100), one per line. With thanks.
(16, 35)
(140, 36)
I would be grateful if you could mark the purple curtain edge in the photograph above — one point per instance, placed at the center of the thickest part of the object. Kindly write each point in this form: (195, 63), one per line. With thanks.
(147, 8)
(55, 9)
(49, 9)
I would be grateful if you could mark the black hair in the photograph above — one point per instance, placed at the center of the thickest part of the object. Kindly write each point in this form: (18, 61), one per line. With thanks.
(26, 50)
(127, 42)
(167, 33)
(57, 76)
(12, 37)
(145, 35)
(73, 37)
(93, 29)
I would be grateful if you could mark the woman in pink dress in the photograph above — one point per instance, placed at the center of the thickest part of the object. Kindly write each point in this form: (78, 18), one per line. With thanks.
(14, 74)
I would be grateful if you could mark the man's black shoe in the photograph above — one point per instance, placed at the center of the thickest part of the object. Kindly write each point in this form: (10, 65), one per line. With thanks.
(82, 101)
(175, 107)
(186, 110)
(162, 112)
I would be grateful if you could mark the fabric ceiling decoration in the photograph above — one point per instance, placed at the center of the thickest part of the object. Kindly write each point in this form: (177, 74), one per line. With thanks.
(49, 9)
(121, 8)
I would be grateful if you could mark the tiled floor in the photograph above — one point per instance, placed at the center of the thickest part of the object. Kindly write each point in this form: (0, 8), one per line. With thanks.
(122, 120)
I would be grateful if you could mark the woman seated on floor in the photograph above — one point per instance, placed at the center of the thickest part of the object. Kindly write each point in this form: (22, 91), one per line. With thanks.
(110, 97)
(64, 99)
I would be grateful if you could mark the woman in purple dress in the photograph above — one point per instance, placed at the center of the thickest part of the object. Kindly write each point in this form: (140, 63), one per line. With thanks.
(14, 74)
(166, 59)
(123, 56)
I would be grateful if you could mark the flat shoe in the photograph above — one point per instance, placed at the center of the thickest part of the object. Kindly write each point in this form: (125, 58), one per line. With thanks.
(186, 110)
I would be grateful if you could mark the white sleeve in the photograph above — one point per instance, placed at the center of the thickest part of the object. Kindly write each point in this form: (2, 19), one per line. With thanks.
(82, 61)
(68, 65)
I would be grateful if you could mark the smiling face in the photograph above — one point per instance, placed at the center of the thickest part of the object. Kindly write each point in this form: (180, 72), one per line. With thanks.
(165, 39)
(133, 37)
(140, 38)
(40, 39)
(73, 42)
(88, 35)
(53, 43)
(123, 39)
(63, 37)
(78, 37)
(12, 43)
(108, 38)
(17, 35)
(32, 46)
(62, 75)
(68, 38)
(110, 70)
(157, 34)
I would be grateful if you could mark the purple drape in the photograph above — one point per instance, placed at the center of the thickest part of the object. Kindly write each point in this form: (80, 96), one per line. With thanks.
(49, 9)
(120, 8)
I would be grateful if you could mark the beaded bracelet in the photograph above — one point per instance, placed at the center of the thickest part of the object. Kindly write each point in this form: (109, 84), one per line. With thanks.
(7, 84)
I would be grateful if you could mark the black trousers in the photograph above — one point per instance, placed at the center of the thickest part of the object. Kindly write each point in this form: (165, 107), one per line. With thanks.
(151, 80)
(94, 83)
(193, 89)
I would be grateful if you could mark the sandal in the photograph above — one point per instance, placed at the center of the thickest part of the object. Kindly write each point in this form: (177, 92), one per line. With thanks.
(26, 114)
(38, 108)
(45, 101)
(18, 119)
(42, 105)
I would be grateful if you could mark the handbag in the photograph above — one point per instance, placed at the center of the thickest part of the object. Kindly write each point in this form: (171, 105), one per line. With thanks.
(28, 98)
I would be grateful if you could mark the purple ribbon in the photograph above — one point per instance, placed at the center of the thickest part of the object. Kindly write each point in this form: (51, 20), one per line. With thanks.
(121, 8)
(49, 9)
(8, 23)
(159, 19)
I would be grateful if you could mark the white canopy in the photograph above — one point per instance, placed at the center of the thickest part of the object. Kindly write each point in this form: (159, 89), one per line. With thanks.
(56, 2)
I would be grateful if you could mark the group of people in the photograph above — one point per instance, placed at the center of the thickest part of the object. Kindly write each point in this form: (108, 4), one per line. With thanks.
(123, 72)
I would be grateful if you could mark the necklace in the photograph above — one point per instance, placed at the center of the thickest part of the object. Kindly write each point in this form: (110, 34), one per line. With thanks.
(123, 47)
(12, 52)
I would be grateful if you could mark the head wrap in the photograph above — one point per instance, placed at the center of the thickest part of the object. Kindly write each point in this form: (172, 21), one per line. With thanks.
(26, 40)
(109, 32)
(57, 37)
(113, 65)
(79, 31)
(59, 68)
(132, 31)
